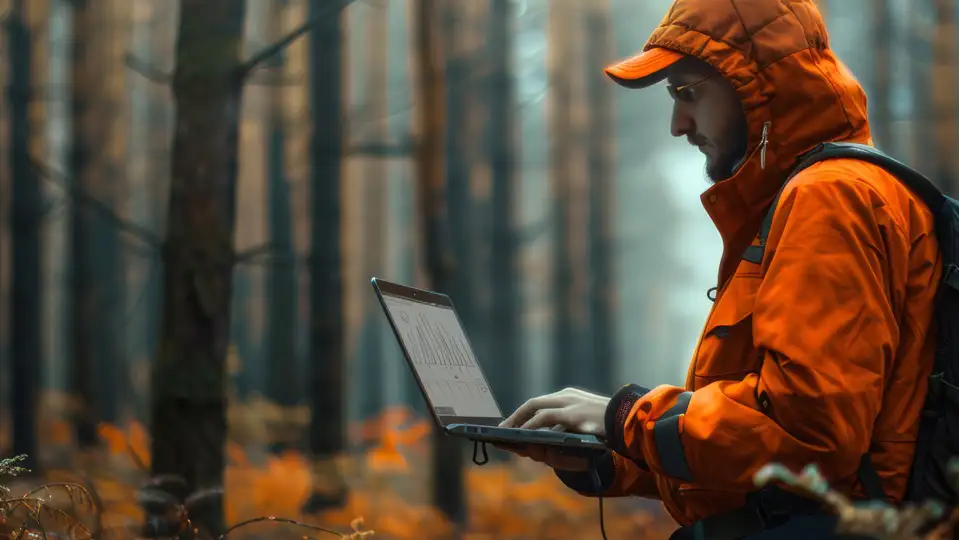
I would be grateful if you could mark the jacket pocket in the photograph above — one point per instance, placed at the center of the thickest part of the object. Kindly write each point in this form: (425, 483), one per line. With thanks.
(726, 351)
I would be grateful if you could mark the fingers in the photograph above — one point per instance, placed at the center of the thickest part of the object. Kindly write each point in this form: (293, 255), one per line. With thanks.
(548, 418)
(531, 407)
(550, 456)
(554, 458)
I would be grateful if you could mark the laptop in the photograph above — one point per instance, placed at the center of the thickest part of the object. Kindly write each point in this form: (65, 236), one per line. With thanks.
(451, 380)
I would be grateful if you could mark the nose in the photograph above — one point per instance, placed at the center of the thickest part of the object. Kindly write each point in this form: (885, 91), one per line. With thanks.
(682, 123)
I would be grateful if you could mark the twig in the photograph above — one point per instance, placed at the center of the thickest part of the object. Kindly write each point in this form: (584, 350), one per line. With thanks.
(79, 196)
(149, 72)
(280, 520)
(332, 8)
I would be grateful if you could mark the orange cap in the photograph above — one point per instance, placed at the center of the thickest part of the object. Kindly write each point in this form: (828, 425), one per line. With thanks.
(644, 69)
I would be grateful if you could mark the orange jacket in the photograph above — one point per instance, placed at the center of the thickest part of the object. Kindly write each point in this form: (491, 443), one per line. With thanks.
(821, 352)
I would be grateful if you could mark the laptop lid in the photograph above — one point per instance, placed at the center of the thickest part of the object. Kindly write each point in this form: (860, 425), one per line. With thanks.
(438, 352)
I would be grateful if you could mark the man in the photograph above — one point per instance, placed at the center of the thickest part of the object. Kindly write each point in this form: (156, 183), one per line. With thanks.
(819, 352)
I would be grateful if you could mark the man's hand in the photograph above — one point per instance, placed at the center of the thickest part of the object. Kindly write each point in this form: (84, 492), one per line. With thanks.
(574, 410)
(549, 455)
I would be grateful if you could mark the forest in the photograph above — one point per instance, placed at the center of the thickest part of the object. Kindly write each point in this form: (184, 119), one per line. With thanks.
(235, 172)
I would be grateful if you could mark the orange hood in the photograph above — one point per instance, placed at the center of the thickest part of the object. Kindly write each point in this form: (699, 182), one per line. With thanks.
(795, 93)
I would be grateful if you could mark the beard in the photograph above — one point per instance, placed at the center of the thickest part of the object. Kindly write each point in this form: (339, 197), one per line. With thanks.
(729, 160)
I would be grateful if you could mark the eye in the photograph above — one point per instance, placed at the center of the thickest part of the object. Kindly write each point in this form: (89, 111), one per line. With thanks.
(683, 93)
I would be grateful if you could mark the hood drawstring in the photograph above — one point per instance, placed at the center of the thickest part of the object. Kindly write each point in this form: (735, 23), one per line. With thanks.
(763, 143)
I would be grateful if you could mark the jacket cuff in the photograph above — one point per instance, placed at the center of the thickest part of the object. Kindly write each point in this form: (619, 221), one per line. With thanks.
(582, 481)
(616, 412)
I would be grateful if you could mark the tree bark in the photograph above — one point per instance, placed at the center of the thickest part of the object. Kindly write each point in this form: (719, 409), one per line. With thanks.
(281, 357)
(944, 98)
(327, 425)
(567, 143)
(96, 265)
(25, 232)
(505, 309)
(448, 493)
(189, 409)
(881, 119)
(375, 208)
(601, 150)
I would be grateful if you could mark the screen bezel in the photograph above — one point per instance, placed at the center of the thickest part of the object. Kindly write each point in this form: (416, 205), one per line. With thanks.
(389, 288)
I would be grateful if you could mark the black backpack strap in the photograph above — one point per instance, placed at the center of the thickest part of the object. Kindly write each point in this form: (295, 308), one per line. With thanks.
(915, 181)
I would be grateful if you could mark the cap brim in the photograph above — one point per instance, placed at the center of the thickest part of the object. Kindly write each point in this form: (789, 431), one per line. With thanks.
(644, 69)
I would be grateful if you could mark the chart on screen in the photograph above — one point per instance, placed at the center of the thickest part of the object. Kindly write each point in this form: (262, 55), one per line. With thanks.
(442, 357)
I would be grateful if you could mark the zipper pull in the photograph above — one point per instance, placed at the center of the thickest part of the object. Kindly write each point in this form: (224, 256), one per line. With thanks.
(763, 143)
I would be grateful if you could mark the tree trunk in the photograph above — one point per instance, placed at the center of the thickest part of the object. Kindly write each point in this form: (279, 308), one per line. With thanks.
(448, 494)
(566, 122)
(459, 65)
(96, 287)
(601, 149)
(327, 428)
(189, 409)
(922, 146)
(944, 98)
(375, 209)
(881, 117)
(25, 235)
(281, 358)
(505, 324)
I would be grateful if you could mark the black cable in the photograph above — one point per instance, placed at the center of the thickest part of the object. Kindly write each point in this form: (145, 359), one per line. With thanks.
(598, 486)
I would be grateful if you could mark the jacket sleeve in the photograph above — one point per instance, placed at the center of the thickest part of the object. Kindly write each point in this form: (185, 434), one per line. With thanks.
(826, 328)
(618, 476)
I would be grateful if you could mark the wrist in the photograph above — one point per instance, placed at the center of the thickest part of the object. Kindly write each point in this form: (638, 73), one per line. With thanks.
(617, 411)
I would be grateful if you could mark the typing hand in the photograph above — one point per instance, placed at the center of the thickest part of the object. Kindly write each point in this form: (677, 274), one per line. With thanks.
(574, 410)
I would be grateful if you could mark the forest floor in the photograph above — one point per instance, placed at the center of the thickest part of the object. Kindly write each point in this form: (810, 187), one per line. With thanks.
(387, 477)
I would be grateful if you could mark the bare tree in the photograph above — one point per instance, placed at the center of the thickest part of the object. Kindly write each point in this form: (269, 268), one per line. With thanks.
(281, 358)
(327, 429)
(189, 409)
(502, 146)
(568, 178)
(601, 151)
(944, 95)
(25, 231)
(881, 117)
(375, 207)
(96, 264)
(448, 494)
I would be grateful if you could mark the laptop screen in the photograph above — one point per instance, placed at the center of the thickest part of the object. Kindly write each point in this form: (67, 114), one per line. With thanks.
(442, 357)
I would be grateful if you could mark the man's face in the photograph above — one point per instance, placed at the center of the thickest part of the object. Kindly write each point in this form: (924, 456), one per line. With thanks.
(708, 113)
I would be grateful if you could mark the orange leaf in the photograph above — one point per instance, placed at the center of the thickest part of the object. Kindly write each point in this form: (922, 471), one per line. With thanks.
(115, 438)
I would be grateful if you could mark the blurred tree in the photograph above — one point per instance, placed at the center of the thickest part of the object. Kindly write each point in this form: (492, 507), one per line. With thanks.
(502, 145)
(327, 424)
(281, 373)
(920, 23)
(602, 194)
(460, 96)
(375, 208)
(96, 288)
(25, 232)
(944, 96)
(189, 409)
(448, 493)
(567, 126)
(881, 116)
